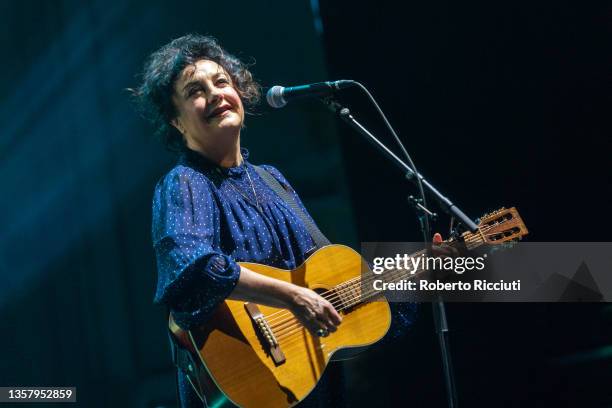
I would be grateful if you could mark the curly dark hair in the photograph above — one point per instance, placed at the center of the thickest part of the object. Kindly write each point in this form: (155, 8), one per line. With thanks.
(161, 70)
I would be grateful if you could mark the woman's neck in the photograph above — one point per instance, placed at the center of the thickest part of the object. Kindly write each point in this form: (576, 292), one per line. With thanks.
(224, 155)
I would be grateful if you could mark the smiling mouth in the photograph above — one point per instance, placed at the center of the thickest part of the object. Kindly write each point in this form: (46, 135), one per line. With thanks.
(219, 112)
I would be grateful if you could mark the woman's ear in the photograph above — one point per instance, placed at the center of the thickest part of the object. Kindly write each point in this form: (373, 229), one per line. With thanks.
(177, 124)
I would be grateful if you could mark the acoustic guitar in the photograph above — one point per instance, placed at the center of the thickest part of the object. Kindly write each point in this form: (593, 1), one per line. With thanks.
(257, 356)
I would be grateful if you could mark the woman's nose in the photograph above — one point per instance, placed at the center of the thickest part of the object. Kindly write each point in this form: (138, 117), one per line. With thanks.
(214, 94)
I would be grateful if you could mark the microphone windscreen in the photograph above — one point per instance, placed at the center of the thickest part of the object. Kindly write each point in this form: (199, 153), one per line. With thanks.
(275, 97)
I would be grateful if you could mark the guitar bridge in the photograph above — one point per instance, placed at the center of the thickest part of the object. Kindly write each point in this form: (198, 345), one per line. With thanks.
(265, 333)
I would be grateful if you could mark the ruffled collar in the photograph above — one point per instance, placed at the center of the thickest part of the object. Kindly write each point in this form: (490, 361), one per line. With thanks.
(192, 157)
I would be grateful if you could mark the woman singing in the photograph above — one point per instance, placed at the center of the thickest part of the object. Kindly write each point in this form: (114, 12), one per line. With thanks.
(213, 209)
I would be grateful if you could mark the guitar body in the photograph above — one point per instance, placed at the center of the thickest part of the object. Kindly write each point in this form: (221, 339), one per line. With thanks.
(233, 361)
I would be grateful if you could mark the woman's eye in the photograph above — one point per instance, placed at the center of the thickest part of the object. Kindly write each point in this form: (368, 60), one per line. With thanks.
(222, 81)
(194, 91)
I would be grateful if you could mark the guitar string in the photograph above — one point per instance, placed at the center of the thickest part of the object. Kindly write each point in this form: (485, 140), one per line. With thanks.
(286, 331)
(360, 298)
(371, 295)
(399, 273)
(340, 291)
(288, 336)
(343, 288)
(281, 328)
(296, 340)
(355, 301)
(351, 302)
(338, 296)
(287, 339)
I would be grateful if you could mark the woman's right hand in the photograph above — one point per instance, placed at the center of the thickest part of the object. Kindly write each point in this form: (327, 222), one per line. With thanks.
(311, 309)
(314, 312)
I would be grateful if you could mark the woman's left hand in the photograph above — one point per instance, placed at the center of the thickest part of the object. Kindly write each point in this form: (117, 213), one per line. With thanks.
(441, 249)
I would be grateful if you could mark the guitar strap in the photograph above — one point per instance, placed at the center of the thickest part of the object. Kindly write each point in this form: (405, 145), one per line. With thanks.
(183, 361)
(317, 236)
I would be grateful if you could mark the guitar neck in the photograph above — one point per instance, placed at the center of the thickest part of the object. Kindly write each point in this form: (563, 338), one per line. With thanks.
(358, 290)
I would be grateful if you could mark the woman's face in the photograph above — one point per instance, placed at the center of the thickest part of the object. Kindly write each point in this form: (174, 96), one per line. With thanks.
(208, 106)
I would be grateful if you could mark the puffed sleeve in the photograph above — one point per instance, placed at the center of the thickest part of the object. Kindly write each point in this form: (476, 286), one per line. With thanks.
(194, 277)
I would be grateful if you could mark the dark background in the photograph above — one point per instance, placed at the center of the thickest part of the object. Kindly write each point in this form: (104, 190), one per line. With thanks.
(499, 104)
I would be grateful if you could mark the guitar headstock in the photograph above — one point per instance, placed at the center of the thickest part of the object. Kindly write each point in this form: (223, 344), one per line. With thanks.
(495, 228)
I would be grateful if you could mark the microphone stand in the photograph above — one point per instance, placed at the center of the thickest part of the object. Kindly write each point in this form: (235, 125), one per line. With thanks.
(439, 312)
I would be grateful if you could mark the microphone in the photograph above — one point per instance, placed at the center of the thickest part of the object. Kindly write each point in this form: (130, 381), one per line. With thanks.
(278, 96)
